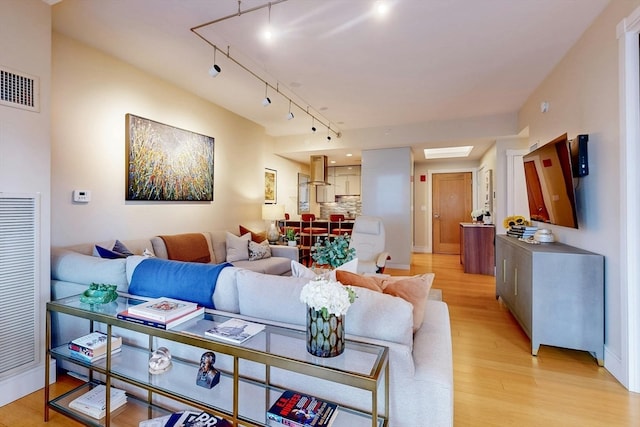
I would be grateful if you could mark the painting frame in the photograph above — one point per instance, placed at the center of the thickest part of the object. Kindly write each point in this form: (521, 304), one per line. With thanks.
(166, 163)
(303, 193)
(270, 186)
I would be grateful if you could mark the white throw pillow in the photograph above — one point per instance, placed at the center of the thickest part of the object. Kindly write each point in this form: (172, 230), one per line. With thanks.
(238, 247)
(299, 270)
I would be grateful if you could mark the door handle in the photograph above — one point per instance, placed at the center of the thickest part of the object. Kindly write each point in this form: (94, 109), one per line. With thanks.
(436, 215)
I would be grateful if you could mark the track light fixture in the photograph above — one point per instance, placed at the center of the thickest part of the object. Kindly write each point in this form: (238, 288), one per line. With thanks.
(290, 115)
(215, 69)
(266, 101)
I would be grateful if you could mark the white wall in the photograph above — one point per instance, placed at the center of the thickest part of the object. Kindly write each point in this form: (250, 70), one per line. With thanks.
(25, 46)
(582, 92)
(92, 92)
(386, 193)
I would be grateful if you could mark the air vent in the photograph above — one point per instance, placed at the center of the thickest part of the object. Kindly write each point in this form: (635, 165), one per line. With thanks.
(19, 90)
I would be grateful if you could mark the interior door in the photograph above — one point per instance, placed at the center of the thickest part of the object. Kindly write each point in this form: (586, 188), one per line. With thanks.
(452, 203)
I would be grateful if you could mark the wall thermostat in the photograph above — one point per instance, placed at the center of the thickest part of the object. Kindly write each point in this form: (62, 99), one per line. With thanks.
(81, 196)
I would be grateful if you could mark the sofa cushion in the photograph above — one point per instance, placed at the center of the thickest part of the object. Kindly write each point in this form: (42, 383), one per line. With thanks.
(352, 279)
(108, 253)
(373, 314)
(64, 267)
(259, 250)
(195, 282)
(238, 247)
(274, 265)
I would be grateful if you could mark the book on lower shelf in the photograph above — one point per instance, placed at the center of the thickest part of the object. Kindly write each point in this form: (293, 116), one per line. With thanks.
(186, 419)
(94, 402)
(234, 330)
(89, 359)
(295, 409)
(94, 344)
(162, 309)
(128, 316)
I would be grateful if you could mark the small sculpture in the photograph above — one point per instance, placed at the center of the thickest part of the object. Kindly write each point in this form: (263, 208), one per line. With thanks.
(99, 294)
(208, 376)
(160, 361)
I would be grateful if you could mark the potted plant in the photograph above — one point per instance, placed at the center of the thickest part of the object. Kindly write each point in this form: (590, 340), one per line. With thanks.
(291, 237)
(333, 252)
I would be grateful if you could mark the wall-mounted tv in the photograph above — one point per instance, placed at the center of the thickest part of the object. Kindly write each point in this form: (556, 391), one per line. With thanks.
(550, 192)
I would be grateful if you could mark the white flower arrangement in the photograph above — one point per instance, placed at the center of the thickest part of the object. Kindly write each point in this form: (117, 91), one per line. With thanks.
(477, 213)
(328, 296)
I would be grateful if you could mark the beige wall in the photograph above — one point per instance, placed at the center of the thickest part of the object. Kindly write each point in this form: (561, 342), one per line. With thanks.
(25, 47)
(92, 92)
(582, 92)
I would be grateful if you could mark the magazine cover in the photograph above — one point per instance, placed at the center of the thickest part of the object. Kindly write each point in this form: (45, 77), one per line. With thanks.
(235, 330)
(162, 309)
(300, 410)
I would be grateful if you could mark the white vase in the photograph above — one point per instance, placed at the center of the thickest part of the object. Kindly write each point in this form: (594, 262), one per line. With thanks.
(292, 243)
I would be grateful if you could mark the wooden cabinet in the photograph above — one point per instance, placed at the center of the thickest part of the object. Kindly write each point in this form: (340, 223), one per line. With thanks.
(555, 292)
(477, 248)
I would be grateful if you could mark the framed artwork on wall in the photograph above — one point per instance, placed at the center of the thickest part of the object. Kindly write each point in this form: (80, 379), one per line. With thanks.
(270, 185)
(165, 163)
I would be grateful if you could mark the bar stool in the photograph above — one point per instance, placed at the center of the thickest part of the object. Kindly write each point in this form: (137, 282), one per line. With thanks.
(338, 231)
(287, 226)
(309, 231)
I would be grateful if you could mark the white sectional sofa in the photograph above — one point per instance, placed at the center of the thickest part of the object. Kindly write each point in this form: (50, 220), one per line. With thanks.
(421, 367)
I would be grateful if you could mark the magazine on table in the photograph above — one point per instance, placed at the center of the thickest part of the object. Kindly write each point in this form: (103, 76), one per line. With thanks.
(94, 402)
(235, 330)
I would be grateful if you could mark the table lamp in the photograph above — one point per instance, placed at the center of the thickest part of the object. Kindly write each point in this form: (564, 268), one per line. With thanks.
(272, 213)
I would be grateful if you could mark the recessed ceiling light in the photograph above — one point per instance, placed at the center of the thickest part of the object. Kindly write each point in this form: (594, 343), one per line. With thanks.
(349, 154)
(381, 8)
(447, 152)
(332, 161)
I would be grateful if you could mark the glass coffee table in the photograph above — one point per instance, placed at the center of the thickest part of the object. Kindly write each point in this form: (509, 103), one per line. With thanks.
(253, 374)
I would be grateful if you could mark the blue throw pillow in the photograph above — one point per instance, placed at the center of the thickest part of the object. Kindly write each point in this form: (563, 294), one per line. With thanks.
(120, 248)
(106, 253)
(187, 281)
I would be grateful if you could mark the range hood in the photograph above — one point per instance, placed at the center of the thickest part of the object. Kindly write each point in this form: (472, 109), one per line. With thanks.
(318, 168)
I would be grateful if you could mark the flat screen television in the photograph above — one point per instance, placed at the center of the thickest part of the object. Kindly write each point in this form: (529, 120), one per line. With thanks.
(549, 180)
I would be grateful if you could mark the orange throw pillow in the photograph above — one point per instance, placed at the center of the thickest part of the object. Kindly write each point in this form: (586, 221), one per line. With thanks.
(256, 237)
(414, 290)
(352, 279)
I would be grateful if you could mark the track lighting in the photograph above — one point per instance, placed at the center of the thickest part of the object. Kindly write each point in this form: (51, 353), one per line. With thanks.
(215, 69)
(266, 101)
(290, 115)
(313, 122)
(329, 133)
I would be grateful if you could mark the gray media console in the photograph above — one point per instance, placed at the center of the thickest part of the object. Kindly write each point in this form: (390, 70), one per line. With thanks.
(555, 292)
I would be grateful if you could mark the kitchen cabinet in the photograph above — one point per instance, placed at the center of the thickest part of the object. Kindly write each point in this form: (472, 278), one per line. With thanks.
(326, 193)
(555, 292)
(347, 180)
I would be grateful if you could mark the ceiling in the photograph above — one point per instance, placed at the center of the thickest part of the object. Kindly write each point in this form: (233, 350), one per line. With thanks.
(429, 73)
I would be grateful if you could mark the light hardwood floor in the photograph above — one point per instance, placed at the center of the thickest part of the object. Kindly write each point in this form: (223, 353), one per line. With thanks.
(497, 381)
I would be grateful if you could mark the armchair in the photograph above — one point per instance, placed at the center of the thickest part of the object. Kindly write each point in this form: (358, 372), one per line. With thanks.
(368, 239)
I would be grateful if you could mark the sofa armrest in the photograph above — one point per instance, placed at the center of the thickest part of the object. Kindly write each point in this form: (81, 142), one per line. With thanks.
(290, 252)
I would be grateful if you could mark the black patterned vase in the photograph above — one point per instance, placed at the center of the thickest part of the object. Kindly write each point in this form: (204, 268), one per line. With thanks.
(325, 334)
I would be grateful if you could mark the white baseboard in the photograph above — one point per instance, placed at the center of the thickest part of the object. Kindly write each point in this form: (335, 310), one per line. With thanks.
(398, 266)
(614, 365)
(422, 249)
(23, 383)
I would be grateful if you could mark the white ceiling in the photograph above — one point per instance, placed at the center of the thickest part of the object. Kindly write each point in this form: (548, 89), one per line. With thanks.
(415, 77)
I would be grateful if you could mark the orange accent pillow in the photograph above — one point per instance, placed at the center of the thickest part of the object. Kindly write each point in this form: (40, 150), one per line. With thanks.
(351, 279)
(414, 290)
(256, 237)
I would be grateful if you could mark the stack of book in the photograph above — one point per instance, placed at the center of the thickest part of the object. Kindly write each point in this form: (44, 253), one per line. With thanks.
(94, 402)
(234, 330)
(93, 346)
(186, 419)
(162, 313)
(521, 231)
(295, 409)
